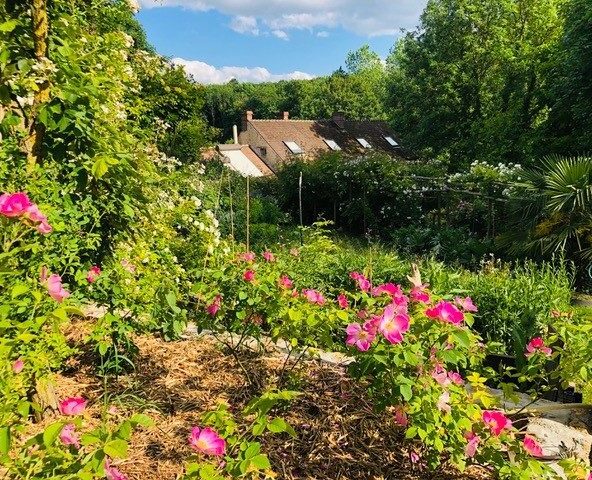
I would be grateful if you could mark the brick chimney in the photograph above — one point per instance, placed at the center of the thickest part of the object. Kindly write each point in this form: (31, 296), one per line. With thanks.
(247, 117)
(339, 119)
(286, 115)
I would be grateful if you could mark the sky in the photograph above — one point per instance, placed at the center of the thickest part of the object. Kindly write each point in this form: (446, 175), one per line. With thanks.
(270, 40)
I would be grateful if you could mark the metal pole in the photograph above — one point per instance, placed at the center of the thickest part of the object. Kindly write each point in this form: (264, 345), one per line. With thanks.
(300, 207)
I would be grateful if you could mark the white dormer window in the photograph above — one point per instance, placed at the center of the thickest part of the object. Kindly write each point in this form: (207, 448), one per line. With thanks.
(391, 141)
(332, 144)
(364, 143)
(294, 147)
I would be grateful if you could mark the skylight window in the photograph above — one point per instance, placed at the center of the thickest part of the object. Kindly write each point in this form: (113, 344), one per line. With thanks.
(364, 143)
(332, 144)
(392, 141)
(294, 148)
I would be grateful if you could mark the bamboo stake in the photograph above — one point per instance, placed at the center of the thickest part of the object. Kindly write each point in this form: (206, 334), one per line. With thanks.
(300, 208)
(248, 213)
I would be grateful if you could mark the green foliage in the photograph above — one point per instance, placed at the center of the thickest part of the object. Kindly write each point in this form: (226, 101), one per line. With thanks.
(243, 458)
(553, 208)
(470, 81)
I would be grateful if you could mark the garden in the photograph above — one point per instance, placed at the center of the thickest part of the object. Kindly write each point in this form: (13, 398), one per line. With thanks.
(165, 319)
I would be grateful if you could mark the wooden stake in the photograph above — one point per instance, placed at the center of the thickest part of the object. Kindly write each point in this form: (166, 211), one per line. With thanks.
(248, 213)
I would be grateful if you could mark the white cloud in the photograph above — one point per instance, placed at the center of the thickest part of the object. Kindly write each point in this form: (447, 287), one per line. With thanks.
(323, 34)
(244, 24)
(364, 17)
(208, 74)
(280, 34)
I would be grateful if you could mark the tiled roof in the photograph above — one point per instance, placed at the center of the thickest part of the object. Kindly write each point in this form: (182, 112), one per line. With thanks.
(310, 135)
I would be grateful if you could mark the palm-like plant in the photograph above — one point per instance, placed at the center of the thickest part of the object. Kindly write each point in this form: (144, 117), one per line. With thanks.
(552, 209)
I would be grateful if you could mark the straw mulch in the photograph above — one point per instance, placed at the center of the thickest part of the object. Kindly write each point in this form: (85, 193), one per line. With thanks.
(340, 437)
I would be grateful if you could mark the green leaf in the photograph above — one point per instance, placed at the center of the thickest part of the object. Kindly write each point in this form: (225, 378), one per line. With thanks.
(261, 462)
(406, 391)
(51, 433)
(8, 26)
(116, 448)
(142, 420)
(278, 425)
(252, 450)
(4, 440)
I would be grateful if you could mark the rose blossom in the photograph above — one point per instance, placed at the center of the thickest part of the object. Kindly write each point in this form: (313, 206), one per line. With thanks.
(93, 274)
(393, 325)
(466, 304)
(213, 307)
(342, 301)
(532, 446)
(249, 276)
(72, 406)
(268, 256)
(14, 204)
(18, 365)
(207, 441)
(68, 436)
(112, 473)
(359, 337)
(445, 312)
(537, 345)
(496, 421)
(55, 288)
(285, 282)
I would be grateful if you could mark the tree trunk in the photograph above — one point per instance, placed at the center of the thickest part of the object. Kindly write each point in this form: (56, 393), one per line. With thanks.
(34, 140)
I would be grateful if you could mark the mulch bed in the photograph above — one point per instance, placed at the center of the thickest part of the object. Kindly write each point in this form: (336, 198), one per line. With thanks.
(340, 437)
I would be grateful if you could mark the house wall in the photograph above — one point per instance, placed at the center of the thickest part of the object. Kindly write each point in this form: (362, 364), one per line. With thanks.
(253, 138)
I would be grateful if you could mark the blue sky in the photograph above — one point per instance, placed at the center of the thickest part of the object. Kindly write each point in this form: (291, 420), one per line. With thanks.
(263, 40)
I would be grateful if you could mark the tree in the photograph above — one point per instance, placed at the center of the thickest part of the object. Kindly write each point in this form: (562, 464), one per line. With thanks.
(467, 83)
(570, 121)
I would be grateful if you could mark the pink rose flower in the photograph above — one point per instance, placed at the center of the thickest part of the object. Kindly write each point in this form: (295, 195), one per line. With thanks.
(393, 325)
(358, 337)
(93, 274)
(268, 256)
(446, 312)
(441, 375)
(68, 435)
(371, 325)
(18, 365)
(388, 289)
(249, 276)
(472, 444)
(466, 304)
(537, 345)
(44, 228)
(342, 301)
(14, 204)
(420, 294)
(112, 473)
(213, 307)
(72, 406)
(456, 378)
(248, 256)
(532, 446)
(55, 288)
(314, 296)
(285, 282)
(207, 441)
(496, 421)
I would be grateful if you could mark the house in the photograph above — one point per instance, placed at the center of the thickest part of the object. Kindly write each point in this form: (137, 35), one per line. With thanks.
(242, 159)
(276, 141)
